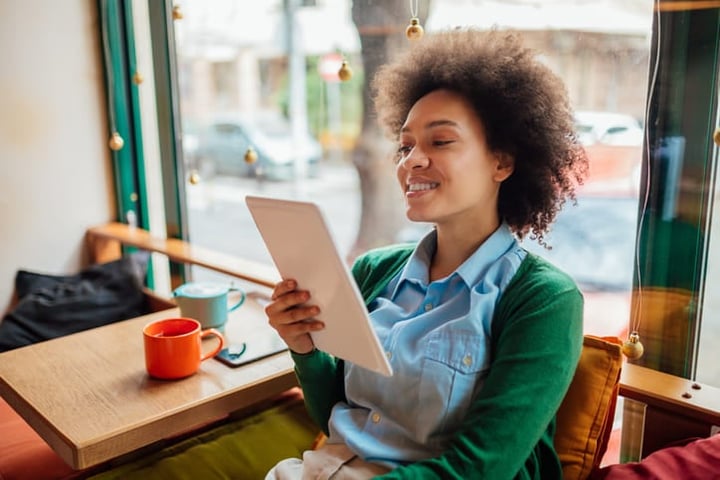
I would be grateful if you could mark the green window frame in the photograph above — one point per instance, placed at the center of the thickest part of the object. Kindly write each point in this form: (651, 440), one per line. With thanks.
(118, 38)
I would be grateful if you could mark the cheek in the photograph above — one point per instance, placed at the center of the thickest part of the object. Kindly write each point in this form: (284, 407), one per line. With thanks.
(476, 179)
(400, 177)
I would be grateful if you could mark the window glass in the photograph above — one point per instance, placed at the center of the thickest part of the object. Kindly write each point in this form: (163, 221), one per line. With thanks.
(708, 366)
(235, 60)
(269, 70)
(673, 310)
(263, 75)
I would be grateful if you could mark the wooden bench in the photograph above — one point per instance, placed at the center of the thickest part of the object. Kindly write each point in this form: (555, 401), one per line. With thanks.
(105, 244)
(675, 408)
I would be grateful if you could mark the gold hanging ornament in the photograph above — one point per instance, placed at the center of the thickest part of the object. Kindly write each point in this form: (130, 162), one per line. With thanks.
(177, 13)
(194, 177)
(632, 347)
(137, 78)
(250, 155)
(116, 142)
(716, 136)
(345, 73)
(414, 31)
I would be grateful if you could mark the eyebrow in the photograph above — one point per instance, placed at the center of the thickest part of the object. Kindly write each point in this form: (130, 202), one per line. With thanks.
(433, 124)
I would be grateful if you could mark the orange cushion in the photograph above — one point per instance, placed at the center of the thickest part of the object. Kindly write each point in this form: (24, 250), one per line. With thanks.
(585, 418)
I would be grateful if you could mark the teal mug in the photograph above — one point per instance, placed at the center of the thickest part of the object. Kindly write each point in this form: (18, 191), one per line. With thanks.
(207, 302)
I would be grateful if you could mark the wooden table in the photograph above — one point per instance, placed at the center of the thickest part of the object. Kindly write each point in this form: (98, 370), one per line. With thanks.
(89, 397)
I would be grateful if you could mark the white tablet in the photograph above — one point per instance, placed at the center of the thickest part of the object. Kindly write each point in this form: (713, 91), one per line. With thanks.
(302, 248)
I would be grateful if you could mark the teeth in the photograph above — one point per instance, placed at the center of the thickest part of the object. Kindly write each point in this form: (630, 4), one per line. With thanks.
(416, 187)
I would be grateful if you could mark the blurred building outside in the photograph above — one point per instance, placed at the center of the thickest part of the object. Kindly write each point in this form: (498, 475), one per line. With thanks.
(233, 56)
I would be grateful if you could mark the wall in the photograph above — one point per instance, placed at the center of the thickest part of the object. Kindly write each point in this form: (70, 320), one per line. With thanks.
(55, 170)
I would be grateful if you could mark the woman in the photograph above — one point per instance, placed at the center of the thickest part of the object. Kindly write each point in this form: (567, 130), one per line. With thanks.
(483, 336)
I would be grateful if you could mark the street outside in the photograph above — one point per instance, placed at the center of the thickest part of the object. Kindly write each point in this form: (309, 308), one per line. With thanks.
(219, 218)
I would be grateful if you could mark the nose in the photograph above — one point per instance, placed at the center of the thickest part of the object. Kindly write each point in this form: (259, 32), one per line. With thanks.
(416, 158)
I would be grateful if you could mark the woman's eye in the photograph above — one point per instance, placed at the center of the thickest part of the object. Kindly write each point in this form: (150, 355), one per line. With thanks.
(441, 143)
(404, 150)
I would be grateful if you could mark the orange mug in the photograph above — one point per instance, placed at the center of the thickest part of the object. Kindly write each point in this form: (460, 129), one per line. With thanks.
(173, 347)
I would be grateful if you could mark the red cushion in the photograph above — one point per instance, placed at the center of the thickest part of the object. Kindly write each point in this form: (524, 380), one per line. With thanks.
(698, 460)
(23, 454)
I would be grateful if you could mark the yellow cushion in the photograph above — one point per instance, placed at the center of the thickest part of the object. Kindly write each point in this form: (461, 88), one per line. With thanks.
(585, 418)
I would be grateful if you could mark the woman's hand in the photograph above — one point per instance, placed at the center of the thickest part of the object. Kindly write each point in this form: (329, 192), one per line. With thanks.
(291, 318)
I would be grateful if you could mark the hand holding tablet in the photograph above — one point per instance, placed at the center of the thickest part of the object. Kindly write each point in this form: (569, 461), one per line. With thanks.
(302, 248)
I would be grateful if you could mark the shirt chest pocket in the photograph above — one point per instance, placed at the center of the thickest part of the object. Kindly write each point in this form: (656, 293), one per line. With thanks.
(454, 366)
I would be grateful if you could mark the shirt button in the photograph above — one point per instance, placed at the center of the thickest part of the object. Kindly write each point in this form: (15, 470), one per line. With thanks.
(428, 307)
(467, 360)
(375, 417)
(388, 354)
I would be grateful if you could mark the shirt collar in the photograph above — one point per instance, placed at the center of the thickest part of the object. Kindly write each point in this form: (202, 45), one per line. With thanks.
(417, 270)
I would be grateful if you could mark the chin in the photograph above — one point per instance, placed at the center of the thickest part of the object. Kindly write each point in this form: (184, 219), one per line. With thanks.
(415, 216)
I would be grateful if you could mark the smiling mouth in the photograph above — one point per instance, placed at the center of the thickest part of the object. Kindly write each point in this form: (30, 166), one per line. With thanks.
(419, 187)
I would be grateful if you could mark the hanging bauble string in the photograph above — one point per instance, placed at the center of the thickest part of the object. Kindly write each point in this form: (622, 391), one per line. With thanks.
(345, 72)
(632, 347)
(116, 142)
(414, 31)
(250, 155)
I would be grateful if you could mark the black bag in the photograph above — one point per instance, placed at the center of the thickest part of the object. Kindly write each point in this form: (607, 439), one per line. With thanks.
(51, 306)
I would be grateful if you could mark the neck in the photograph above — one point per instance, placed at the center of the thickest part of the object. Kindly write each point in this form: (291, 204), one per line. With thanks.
(457, 244)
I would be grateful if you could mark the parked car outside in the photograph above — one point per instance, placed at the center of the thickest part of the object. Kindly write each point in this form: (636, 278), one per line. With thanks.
(221, 147)
(613, 142)
(608, 128)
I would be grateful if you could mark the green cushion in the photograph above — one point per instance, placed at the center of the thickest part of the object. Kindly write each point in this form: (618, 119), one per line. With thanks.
(243, 449)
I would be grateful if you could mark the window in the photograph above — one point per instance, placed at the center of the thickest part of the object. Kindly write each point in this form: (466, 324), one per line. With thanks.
(605, 68)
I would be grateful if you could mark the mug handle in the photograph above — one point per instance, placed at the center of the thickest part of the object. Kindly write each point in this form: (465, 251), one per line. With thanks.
(239, 302)
(220, 345)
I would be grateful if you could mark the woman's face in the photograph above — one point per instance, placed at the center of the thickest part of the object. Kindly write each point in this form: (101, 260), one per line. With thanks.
(446, 171)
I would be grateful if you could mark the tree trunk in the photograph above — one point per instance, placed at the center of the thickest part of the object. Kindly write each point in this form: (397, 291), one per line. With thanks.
(381, 26)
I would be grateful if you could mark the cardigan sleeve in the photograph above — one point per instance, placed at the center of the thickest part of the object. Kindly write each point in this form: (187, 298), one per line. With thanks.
(508, 432)
(321, 378)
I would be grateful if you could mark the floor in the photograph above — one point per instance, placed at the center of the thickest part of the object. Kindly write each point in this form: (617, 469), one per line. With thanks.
(612, 454)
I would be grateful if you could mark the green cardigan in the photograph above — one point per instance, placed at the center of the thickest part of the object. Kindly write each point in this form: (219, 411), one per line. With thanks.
(535, 347)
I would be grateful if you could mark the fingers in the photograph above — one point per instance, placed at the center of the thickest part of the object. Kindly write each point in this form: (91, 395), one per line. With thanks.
(293, 319)
(300, 314)
(287, 301)
(281, 288)
(298, 328)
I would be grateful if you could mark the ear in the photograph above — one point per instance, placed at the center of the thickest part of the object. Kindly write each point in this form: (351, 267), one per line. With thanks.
(504, 166)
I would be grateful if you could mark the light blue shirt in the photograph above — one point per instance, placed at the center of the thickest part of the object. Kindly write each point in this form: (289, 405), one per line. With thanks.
(437, 337)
